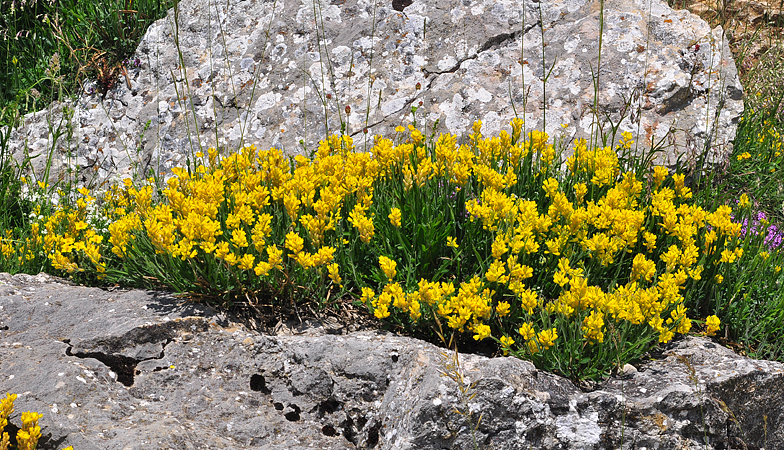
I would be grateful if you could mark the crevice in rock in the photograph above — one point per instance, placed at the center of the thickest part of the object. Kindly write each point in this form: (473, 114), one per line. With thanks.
(492, 42)
(497, 40)
(123, 366)
(452, 69)
(47, 441)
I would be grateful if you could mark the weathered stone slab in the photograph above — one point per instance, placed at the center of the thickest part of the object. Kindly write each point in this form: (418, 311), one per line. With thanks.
(137, 370)
(284, 73)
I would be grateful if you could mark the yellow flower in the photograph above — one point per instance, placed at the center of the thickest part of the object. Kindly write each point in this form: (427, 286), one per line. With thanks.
(334, 274)
(30, 419)
(650, 241)
(362, 223)
(712, 324)
(495, 273)
(550, 186)
(388, 266)
(275, 257)
(294, 242)
(730, 256)
(482, 331)
(231, 259)
(580, 189)
(246, 262)
(499, 246)
(305, 259)
(367, 295)
(719, 279)
(395, 216)
(527, 331)
(239, 238)
(506, 343)
(547, 338)
(679, 319)
(325, 255)
(451, 242)
(659, 174)
(744, 201)
(777, 269)
(502, 309)
(262, 269)
(743, 156)
(592, 327)
(643, 267)
(560, 278)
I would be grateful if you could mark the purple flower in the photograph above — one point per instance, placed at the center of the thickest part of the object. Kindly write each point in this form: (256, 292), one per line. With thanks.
(773, 239)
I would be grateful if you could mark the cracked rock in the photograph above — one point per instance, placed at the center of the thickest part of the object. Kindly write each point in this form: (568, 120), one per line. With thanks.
(212, 383)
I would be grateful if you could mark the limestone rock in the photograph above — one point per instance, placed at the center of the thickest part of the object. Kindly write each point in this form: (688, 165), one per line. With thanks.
(137, 370)
(286, 73)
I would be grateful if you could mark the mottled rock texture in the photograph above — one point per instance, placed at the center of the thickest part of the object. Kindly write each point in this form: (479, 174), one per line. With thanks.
(283, 73)
(145, 370)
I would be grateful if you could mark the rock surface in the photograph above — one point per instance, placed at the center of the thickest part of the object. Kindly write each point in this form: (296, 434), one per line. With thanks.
(284, 73)
(140, 370)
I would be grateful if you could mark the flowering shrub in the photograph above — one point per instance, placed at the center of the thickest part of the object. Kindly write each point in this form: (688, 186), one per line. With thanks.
(579, 270)
(27, 437)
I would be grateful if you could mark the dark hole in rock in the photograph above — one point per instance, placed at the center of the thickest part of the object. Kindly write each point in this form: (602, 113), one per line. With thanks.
(279, 406)
(372, 437)
(329, 406)
(123, 366)
(348, 430)
(395, 357)
(259, 384)
(158, 369)
(293, 415)
(361, 422)
(328, 430)
(399, 5)
(4, 328)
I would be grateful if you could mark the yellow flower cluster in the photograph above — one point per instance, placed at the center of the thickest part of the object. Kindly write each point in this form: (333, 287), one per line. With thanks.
(596, 232)
(69, 241)
(712, 325)
(227, 208)
(28, 435)
(260, 214)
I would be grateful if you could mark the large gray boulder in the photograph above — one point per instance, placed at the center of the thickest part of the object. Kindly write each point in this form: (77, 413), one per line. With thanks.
(283, 73)
(146, 370)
